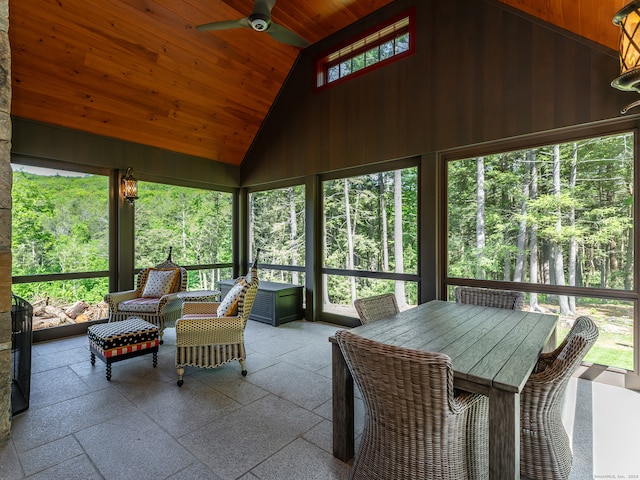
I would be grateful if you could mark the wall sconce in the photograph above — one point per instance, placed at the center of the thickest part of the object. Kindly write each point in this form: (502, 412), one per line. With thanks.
(628, 19)
(129, 186)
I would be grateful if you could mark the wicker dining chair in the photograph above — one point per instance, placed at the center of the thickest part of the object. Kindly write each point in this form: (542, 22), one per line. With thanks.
(489, 297)
(211, 334)
(545, 450)
(375, 308)
(416, 427)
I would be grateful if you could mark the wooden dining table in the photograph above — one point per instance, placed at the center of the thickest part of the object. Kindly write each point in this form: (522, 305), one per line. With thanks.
(493, 352)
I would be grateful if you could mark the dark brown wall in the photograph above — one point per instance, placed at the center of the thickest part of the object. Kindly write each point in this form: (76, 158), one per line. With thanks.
(42, 142)
(481, 72)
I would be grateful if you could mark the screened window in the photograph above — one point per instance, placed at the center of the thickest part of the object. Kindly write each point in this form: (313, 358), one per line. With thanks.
(390, 42)
(370, 238)
(558, 215)
(196, 223)
(60, 233)
(277, 228)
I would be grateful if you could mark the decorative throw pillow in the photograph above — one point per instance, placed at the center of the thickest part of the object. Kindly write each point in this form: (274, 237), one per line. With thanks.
(229, 304)
(160, 282)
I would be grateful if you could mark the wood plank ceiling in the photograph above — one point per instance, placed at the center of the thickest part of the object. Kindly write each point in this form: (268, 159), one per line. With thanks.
(138, 70)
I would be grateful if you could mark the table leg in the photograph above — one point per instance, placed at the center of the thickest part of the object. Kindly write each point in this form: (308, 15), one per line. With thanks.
(504, 435)
(342, 406)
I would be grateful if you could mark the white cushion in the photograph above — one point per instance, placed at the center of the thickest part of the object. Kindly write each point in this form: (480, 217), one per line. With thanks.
(229, 304)
(160, 282)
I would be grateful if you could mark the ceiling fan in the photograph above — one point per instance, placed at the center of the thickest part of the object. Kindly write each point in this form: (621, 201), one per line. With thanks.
(260, 21)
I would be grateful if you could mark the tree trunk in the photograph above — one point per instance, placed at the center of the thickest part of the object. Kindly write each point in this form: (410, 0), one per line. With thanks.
(480, 234)
(350, 232)
(533, 232)
(397, 237)
(383, 223)
(558, 261)
(573, 243)
(293, 220)
(521, 241)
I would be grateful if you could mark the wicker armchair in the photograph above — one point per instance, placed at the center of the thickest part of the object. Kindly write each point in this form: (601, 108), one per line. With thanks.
(416, 427)
(160, 310)
(488, 297)
(375, 308)
(206, 339)
(545, 450)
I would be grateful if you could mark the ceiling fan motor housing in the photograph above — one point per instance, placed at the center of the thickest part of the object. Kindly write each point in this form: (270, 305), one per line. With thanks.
(259, 22)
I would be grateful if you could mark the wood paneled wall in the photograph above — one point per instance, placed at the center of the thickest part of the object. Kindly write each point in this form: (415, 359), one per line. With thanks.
(480, 73)
(42, 143)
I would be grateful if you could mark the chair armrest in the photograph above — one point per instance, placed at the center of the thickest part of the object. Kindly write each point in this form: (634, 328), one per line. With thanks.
(200, 307)
(209, 331)
(167, 299)
(114, 298)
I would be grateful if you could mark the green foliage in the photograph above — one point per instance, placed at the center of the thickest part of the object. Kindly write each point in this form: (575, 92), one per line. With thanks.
(595, 210)
(196, 223)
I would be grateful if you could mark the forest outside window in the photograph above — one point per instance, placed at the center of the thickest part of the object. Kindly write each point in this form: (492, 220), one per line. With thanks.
(195, 222)
(560, 215)
(59, 244)
(277, 228)
(389, 42)
(370, 239)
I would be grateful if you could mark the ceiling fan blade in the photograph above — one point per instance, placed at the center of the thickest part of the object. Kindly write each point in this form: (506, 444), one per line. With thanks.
(240, 23)
(263, 7)
(284, 35)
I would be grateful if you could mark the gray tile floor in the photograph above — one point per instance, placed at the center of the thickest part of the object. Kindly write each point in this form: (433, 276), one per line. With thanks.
(274, 424)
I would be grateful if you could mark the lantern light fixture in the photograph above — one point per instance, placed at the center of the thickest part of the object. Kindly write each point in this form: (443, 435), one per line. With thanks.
(129, 186)
(628, 19)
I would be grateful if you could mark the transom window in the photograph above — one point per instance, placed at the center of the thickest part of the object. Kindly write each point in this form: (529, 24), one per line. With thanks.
(390, 42)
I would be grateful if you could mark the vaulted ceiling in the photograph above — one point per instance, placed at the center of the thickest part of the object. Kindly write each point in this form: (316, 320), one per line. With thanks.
(138, 70)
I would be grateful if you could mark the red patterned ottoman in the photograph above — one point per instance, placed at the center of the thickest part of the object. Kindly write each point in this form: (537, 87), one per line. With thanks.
(115, 341)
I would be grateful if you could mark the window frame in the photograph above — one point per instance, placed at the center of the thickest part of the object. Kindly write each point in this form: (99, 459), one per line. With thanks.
(335, 57)
(608, 374)
(352, 321)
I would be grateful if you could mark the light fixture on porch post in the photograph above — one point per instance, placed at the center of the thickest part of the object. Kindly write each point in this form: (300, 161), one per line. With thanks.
(129, 186)
(628, 19)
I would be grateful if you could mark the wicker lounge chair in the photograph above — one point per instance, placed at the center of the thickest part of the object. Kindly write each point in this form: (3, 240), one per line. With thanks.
(488, 297)
(416, 427)
(207, 337)
(162, 307)
(375, 308)
(545, 450)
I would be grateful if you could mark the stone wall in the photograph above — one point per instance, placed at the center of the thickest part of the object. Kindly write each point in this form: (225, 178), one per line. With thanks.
(5, 224)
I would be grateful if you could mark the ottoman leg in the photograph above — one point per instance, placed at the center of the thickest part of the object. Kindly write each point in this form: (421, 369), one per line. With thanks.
(93, 358)
(155, 359)
(108, 371)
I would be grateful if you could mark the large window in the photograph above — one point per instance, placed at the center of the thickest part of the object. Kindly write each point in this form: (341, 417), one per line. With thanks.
(60, 231)
(196, 223)
(556, 216)
(370, 239)
(277, 228)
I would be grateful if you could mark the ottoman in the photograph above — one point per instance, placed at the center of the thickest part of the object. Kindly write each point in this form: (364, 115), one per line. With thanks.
(115, 341)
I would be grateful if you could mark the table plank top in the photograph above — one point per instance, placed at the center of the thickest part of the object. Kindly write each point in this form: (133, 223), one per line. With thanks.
(491, 347)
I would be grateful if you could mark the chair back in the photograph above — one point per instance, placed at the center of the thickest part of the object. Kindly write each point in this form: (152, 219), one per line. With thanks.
(375, 308)
(570, 354)
(489, 297)
(181, 284)
(410, 407)
(245, 301)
